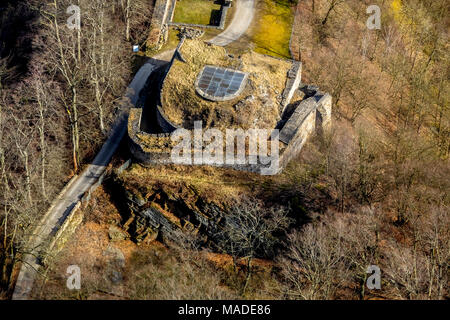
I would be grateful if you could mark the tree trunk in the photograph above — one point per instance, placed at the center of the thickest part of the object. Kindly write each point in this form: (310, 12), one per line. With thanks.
(41, 138)
(27, 177)
(249, 274)
(127, 18)
(75, 131)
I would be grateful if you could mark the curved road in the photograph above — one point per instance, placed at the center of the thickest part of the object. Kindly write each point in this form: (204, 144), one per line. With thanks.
(73, 193)
(245, 11)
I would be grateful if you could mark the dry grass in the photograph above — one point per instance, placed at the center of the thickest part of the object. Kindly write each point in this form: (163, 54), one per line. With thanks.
(155, 144)
(267, 78)
(219, 184)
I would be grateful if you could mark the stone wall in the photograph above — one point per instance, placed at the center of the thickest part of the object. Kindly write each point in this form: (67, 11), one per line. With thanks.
(176, 55)
(173, 5)
(137, 144)
(139, 151)
(223, 16)
(158, 25)
(64, 233)
(74, 218)
(191, 25)
(296, 121)
(324, 111)
(297, 130)
(166, 125)
(314, 112)
(294, 42)
(294, 78)
(294, 135)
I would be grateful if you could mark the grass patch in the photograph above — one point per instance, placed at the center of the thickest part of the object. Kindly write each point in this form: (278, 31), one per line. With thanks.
(272, 27)
(172, 40)
(196, 11)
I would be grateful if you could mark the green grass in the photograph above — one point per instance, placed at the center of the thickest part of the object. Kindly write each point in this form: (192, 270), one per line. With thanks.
(172, 41)
(272, 27)
(194, 11)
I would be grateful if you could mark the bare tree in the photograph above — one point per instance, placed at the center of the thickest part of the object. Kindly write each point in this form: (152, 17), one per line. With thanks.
(419, 271)
(66, 60)
(105, 68)
(249, 230)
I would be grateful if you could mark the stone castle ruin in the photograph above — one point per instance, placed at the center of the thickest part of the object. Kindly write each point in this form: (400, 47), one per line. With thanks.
(204, 83)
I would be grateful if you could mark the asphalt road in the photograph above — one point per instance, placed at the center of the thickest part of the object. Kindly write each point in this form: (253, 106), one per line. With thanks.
(245, 11)
(58, 214)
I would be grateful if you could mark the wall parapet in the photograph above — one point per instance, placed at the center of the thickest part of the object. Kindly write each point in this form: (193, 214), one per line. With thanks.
(295, 122)
(311, 113)
(304, 118)
(137, 144)
(68, 227)
(324, 106)
(223, 16)
(293, 135)
(166, 125)
(293, 81)
(294, 41)
(158, 25)
(163, 121)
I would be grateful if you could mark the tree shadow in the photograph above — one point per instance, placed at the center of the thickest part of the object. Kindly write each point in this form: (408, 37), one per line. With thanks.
(16, 30)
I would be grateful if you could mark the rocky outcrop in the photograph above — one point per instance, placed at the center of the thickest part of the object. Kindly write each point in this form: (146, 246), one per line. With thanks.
(189, 33)
(117, 234)
(159, 214)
